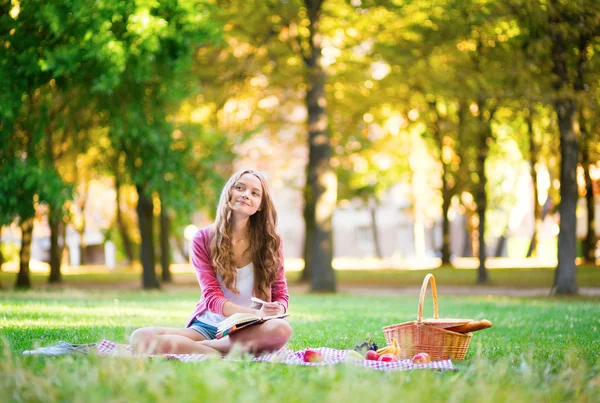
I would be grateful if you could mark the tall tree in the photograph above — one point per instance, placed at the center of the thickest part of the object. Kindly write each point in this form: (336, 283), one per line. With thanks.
(290, 37)
(1, 255)
(120, 219)
(47, 49)
(485, 134)
(321, 179)
(586, 83)
(156, 45)
(590, 136)
(165, 249)
(437, 122)
(458, 50)
(533, 160)
(562, 32)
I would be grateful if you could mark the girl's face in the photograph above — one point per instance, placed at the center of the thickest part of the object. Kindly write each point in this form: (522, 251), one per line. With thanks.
(246, 195)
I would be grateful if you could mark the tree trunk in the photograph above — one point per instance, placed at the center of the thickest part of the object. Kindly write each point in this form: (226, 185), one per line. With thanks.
(1, 255)
(500, 245)
(55, 250)
(481, 194)
(446, 192)
(23, 280)
(468, 244)
(321, 178)
(482, 275)
(165, 250)
(63, 232)
(588, 245)
(565, 105)
(81, 229)
(145, 208)
(446, 200)
(374, 229)
(54, 214)
(82, 246)
(461, 136)
(565, 276)
(127, 244)
(537, 208)
(309, 223)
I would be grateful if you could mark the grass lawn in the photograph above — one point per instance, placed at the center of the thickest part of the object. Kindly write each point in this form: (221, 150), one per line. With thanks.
(541, 349)
(587, 276)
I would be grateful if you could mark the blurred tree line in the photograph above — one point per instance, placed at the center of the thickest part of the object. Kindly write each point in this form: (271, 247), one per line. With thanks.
(91, 89)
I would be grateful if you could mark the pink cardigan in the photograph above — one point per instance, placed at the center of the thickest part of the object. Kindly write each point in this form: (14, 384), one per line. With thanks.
(212, 296)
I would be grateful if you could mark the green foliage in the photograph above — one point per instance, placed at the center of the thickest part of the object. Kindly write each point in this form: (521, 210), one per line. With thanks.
(156, 44)
(131, 63)
(22, 182)
(44, 50)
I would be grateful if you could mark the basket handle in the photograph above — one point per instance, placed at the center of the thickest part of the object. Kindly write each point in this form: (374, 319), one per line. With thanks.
(429, 277)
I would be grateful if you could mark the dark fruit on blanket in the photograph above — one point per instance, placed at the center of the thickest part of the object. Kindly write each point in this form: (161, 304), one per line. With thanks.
(421, 358)
(312, 356)
(366, 346)
(372, 355)
(388, 357)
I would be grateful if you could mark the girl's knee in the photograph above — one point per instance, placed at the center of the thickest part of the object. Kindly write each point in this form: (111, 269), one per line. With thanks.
(285, 331)
(281, 331)
(139, 333)
(142, 337)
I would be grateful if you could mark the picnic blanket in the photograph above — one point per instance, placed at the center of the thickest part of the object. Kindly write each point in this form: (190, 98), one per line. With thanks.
(283, 356)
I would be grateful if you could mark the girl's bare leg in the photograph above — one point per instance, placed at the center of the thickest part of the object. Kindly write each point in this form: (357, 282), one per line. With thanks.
(266, 337)
(167, 340)
(221, 345)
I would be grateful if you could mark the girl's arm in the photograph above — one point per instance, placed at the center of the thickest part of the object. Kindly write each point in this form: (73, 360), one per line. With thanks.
(279, 291)
(205, 273)
(229, 308)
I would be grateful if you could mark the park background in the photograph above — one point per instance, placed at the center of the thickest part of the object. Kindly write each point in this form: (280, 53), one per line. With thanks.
(394, 134)
(460, 137)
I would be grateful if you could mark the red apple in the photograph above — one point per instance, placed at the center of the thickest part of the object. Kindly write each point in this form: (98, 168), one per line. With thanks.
(372, 355)
(421, 358)
(388, 357)
(312, 356)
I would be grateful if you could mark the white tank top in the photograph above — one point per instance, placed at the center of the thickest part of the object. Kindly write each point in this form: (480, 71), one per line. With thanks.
(245, 286)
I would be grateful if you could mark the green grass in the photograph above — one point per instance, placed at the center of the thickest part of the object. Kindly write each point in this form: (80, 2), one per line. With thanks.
(539, 349)
(587, 276)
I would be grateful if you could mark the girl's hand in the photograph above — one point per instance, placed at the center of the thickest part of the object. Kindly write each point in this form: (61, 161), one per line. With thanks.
(272, 308)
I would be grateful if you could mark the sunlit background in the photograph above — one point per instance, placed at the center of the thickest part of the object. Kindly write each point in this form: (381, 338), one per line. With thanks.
(121, 121)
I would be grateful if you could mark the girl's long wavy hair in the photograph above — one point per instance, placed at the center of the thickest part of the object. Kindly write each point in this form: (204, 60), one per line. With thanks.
(263, 239)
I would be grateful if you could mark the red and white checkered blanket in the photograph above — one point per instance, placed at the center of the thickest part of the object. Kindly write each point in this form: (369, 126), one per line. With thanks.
(285, 356)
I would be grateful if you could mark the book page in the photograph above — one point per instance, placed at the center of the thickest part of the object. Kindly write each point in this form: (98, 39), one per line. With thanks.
(238, 318)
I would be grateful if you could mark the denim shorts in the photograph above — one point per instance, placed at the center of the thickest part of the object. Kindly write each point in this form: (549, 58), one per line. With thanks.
(208, 331)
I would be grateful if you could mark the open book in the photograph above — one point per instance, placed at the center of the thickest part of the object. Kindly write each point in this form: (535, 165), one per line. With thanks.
(239, 321)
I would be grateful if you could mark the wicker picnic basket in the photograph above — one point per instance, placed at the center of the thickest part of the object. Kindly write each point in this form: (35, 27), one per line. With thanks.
(418, 336)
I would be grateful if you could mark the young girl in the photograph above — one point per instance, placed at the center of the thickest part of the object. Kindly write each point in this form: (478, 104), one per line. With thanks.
(236, 258)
